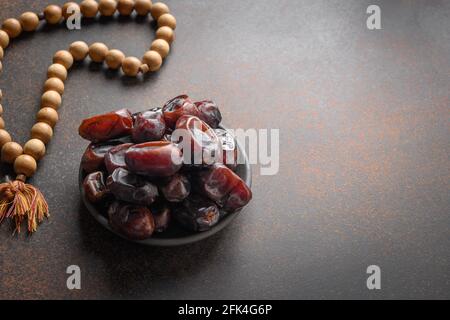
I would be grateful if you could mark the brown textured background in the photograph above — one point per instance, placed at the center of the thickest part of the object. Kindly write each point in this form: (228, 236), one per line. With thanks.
(365, 143)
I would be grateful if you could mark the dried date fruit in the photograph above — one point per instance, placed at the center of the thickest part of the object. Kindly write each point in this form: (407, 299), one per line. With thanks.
(94, 157)
(229, 147)
(181, 168)
(107, 126)
(196, 136)
(224, 187)
(238, 197)
(94, 187)
(209, 112)
(197, 214)
(148, 126)
(162, 216)
(127, 186)
(217, 182)
(132, 221)
(177, 107)
(154, 159)
(115, 157)
(177, 188)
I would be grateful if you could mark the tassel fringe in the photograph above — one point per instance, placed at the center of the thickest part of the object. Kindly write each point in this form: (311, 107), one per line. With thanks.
(20, 201)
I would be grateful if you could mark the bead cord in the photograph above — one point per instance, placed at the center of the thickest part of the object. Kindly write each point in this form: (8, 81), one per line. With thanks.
(20, 201)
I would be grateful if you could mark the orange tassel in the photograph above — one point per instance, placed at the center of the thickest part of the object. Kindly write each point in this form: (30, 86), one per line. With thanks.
(20, 201)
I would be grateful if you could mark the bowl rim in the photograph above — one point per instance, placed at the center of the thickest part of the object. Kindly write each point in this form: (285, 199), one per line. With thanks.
(171, 242)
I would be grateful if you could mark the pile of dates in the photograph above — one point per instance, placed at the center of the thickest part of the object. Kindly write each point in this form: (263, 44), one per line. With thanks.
(162, 166)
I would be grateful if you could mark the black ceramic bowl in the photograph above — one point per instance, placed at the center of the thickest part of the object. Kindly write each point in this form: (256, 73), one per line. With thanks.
(175, 235)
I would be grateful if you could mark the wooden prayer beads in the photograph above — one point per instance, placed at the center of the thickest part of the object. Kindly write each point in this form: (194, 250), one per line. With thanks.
(30, 201)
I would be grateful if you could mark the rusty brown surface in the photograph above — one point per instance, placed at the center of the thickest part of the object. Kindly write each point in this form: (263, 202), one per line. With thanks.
(365, 143)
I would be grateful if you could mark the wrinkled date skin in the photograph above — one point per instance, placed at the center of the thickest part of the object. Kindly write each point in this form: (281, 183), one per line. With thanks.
(197, 214)
(217, 182)
(177, 188)
(177, 107)
(154, 159)
(205, 146)
(162, 216)
(130, 187)
(238, 197)
(229, 147)
(131, 221)
(115, 157)
(94, 157)
(148, 126)
(209, 112)
(224, 187)
(94, 187)
(107, 126)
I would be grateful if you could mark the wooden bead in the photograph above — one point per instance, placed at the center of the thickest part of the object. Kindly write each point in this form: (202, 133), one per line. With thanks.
(42, 131)
(26, 165)
(130, 66)
(1, 109)
(57, 70)
(1, 66)
(48, 115)
(51, 99)
(114, 59)
(153, 60)
(165, 33)
(64, 58)
(5, 137)
(4, 39)
(98, 52)
(2, 53)
(144, 68)
(12, 27)
(79, 50)
(73, 6)
(55, 84)
(158, 9)
(167, 20)
(143, 7)
(10, 152)
(2, 123)
(53, 14)
(89, 8)
(125, 7)
(29, 21)
(161, 46)
(34, 148)
(107, 8)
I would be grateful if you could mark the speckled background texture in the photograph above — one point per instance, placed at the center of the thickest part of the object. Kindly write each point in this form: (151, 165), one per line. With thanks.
(365, 141)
